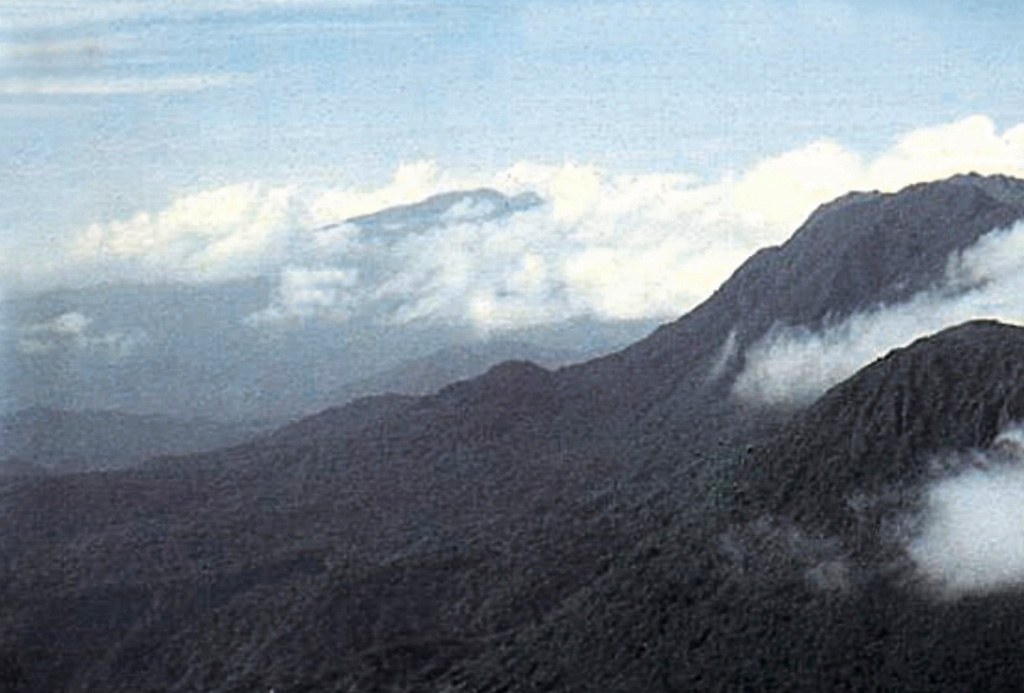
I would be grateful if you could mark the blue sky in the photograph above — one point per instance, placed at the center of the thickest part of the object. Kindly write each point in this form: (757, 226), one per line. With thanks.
(114, 108)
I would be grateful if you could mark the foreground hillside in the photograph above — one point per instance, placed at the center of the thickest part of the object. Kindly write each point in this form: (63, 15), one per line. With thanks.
(60, 441)
(805, 571)
(623, 524)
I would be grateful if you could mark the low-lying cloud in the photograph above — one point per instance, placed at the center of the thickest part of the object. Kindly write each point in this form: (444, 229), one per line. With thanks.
(305, 294)
(794, 366)
(603, 245)
(73, 330)
(972, 537)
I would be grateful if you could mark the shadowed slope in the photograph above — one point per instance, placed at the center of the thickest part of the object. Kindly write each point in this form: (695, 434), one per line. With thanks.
(785, 584)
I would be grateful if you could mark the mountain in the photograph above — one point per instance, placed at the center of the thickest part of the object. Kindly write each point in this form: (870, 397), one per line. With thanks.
(474, 206)
(54, 440)
(13, 466)
(460, 362)
(956, 390)
(604, 526)
(672, 391)
(804, 571)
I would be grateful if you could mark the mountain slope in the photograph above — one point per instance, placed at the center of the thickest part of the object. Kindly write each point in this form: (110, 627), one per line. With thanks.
(462, 362)
(74, 441)
(862, 251)
(474, 206)
(796, 578)
(381, 544)
(955, 390)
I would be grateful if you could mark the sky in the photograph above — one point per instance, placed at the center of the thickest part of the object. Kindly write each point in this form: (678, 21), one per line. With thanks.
(203, 140)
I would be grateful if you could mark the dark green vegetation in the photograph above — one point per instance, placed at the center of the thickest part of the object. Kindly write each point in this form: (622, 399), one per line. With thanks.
(787, 584)
(47, 440)
(617, 525)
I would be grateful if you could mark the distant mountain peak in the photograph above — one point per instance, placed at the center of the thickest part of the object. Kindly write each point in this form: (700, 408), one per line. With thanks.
(507, 377)
(514, 369)
(841, 203)
(462, 206)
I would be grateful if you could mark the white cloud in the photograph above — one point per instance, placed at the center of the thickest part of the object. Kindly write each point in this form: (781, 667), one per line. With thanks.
(972, 539)
(726, 353)
(614, 246)
(795, 365)
(495, 274)
(412, 181)
(116, 85)
(971, 144)
(26, 15)
(310, 293)
(42, 337)
(782, 191)
(69, 324)
(224, 233)
(73, 330)
(61, 48)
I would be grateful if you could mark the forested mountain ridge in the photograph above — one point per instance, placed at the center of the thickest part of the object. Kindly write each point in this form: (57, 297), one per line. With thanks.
(535, 529)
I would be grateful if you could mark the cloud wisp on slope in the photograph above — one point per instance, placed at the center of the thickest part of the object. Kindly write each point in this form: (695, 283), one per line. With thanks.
(794, 365)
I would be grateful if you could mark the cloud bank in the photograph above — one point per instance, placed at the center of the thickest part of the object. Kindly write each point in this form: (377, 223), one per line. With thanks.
(794, 366)
(304, 294)
(972, 540)
(604, 245)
